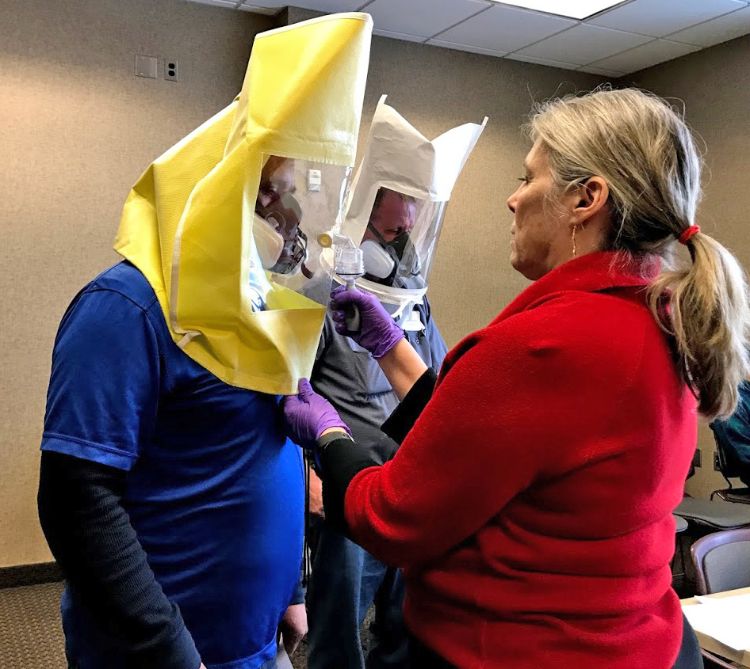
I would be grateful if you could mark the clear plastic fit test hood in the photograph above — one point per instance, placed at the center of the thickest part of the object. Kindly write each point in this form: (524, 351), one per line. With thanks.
(399, 158)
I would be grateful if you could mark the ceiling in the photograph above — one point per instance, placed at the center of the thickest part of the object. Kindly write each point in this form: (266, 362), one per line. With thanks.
(629, 37)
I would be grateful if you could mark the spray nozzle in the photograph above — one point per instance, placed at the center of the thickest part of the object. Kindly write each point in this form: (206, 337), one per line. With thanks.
(349, 263)
(348, 258)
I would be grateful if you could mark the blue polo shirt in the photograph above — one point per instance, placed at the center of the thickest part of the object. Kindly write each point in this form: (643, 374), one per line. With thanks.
(215, 491)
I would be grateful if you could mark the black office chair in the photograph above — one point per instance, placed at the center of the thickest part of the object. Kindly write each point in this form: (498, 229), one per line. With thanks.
(730, 467)
(732, 439)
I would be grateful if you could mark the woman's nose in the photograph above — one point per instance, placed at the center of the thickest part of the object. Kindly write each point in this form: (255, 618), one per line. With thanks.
(511, 202)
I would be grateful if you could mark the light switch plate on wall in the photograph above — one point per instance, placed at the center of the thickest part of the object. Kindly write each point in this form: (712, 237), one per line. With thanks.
(146, 66)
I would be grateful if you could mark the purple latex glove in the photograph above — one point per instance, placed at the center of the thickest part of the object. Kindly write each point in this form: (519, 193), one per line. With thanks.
(378, 332)
(308, 415)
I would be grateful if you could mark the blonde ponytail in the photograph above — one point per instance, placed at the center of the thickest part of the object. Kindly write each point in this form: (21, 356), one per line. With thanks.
(708, 317)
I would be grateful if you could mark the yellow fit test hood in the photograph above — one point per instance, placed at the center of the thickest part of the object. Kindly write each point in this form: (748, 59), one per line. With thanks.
(188, 222)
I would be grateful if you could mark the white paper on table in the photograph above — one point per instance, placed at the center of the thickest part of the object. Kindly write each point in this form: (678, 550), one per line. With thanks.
(724, 619)
(743, 600)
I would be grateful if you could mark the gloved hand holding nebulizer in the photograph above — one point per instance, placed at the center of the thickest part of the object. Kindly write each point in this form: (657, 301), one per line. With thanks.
(395, 207)
(376, 330)
(359, 314)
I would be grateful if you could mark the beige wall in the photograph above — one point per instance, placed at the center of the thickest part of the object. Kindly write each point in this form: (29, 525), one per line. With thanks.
(76, 129)
(715, 87)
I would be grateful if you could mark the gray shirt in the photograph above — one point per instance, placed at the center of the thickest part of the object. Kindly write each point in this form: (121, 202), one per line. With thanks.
(351, 379)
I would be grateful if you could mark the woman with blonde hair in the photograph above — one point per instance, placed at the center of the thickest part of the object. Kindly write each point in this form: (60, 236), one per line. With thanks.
(530, 503)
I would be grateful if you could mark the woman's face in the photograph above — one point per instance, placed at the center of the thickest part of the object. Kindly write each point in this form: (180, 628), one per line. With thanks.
(540, 234)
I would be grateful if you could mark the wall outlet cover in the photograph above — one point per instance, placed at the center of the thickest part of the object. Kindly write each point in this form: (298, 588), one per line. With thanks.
(171, 69)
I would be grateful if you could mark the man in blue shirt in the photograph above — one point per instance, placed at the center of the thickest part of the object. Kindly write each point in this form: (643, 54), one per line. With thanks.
(172, 501)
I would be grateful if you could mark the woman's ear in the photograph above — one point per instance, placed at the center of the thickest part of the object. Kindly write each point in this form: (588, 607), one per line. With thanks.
(591, 197)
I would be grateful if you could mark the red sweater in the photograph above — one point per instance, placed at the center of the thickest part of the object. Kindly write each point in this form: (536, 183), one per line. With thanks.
(530, 505)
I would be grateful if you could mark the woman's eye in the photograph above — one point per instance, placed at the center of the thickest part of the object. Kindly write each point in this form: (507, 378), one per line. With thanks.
(524, 179)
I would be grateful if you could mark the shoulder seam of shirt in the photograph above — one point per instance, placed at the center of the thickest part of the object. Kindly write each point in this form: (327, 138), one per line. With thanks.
(95, 287)
(144, 310)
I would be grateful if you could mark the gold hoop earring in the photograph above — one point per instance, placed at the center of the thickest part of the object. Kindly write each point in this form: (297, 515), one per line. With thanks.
(573, 239)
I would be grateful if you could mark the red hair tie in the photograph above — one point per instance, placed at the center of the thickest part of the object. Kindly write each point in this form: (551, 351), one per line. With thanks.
(688, 233)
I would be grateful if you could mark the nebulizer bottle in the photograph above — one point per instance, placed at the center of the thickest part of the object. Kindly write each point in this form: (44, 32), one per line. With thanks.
(349, 266)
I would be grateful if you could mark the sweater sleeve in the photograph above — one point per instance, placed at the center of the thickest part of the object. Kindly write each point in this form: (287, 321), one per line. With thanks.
(514, 406)
(95, 545)
(404, 416)
(343, 459)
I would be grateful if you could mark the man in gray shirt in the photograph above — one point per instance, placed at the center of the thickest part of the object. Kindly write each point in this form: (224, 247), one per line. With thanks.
(345, 579)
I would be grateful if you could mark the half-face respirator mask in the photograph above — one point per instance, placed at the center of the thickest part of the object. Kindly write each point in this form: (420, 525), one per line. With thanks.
(281, 244)
(386, 261)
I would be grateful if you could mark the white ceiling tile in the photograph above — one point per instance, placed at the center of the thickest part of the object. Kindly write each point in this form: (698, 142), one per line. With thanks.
(505, 29)
(716, 31)
(541, 61)
(325, 6)
(216, 3)
(463, 47)
(270, 4)
(602, 72)
(583, 44)
(644, 56)
(421, 17)
(662, 17)
(402, 36)
(269, 11)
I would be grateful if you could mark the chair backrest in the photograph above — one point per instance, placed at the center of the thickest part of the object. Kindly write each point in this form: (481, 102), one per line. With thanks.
(722, 561)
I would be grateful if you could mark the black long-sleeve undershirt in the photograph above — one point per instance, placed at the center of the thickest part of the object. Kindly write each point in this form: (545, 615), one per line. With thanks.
(90, 535)
(341, 460)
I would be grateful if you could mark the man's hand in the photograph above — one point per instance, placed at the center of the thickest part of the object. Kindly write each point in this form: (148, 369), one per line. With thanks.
(316, 495)
(293, 627)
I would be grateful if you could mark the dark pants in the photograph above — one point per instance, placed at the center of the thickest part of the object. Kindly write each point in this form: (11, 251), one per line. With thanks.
(345, 581)
(689, 657)
(690, 652)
